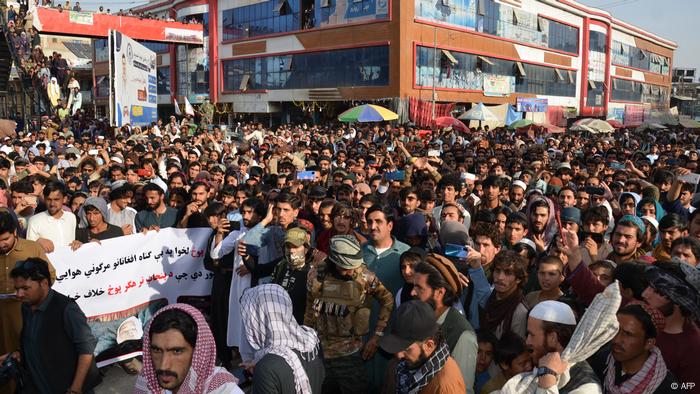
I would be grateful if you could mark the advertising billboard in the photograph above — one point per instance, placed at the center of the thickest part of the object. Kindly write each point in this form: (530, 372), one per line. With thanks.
(133, 86)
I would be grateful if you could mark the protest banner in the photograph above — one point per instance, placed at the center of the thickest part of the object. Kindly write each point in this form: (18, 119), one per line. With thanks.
(131, 277)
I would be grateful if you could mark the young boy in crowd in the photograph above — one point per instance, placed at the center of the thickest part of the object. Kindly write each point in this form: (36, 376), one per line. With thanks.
(550, 275)
(512, 357)
(407, 262)
(487, 344)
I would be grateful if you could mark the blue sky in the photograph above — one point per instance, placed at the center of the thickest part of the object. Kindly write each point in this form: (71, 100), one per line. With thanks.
(676, 20)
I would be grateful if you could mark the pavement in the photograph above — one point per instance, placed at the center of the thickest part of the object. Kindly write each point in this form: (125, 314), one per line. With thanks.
(116, 381)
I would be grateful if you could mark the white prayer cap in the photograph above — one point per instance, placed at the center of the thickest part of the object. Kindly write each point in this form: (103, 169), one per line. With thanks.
(519, 184)
(555, 312)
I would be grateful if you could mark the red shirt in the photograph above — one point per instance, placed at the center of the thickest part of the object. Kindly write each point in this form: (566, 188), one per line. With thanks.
(681, 352)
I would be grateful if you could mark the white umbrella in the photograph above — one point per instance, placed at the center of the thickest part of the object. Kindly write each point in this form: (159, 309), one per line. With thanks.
(479, 112)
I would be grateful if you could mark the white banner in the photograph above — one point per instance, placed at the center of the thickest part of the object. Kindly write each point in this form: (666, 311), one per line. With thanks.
(123, 273)
(134, 86)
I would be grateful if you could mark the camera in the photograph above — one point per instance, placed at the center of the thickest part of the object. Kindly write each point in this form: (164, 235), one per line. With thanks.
(9, 370)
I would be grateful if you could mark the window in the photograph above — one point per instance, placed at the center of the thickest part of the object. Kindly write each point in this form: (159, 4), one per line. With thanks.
(157, 47)
(639, 92)
(629, 56)
(492, 17)
(597, 42)
(267, 17)
(102, 84)
(467, 73)
(163, 75)
(348, 67)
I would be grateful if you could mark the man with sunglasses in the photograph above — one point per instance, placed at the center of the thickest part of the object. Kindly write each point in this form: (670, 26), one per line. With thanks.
(56, 345)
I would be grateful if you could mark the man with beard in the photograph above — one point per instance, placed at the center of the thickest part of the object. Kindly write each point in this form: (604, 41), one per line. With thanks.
(408, 199)
(425, 365)
(194, 211)
(157, 215)
(13, 249)
(502, 309)
(120, 213)
(549, 329)
(635, 364)
(626, 240)
(225, 257)
(540, 214)
(673, 289)
(517, 194)
(325, 217)
(436, 281)
(53, 227)
(338, 303)
(179, 355)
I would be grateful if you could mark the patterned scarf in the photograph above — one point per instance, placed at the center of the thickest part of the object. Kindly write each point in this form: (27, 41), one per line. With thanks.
(676, 289)
(647, 380)
(413, 380)
(271, 329)
(203, 377)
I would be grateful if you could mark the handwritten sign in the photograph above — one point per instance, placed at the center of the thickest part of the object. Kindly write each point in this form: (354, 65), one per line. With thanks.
(122, 273)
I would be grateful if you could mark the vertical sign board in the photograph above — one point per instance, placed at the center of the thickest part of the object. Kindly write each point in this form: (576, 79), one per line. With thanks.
(133, 86)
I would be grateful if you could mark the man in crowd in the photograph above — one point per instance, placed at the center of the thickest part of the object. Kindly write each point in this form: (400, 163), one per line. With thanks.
(425, 364)
(53, 227)
(512, 357)
(437, 282)
(157, 214)
(287, 355)
(635, 364)
(55, 333)
(120, 212)
(550, 326)
(94, 217)
(338, 306)
(179, 355)
(13, 249)
(671, 292)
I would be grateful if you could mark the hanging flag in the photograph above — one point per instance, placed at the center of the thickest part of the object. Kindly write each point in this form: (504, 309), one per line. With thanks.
(177, 107)
(189, 110)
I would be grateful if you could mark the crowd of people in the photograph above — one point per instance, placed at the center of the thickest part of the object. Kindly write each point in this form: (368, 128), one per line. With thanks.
(352, 259)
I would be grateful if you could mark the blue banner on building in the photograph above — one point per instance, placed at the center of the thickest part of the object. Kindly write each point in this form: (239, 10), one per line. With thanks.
(531, 104)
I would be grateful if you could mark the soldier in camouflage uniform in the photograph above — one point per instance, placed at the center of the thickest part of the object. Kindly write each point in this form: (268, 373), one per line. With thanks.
(338, 306)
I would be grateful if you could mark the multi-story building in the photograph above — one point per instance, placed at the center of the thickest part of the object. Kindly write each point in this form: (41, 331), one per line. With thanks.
(686, 92)
(274, 56)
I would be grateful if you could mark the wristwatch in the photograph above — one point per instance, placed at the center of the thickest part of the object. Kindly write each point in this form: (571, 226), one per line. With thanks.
(541, 371)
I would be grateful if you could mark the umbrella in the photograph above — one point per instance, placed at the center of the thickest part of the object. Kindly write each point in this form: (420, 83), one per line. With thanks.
(448, 121)
(520, 124)
(551, 128)
(650, 126)
(479, 112)
(690, 123)
(367, 113)
(594, 126)
(615, 123)
(7, 128)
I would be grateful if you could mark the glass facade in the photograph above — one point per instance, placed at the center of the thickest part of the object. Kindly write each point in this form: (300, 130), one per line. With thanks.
(163, 75)
(630, 56)
(157, 47)
(193, 66)
(367, 66)
(638, 92)
(267, 17)
(469, 70)
(491, 17)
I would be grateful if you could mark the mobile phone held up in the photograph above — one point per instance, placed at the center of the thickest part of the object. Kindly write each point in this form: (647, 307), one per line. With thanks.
(306, 175)
(457, 251)
(396, 175)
